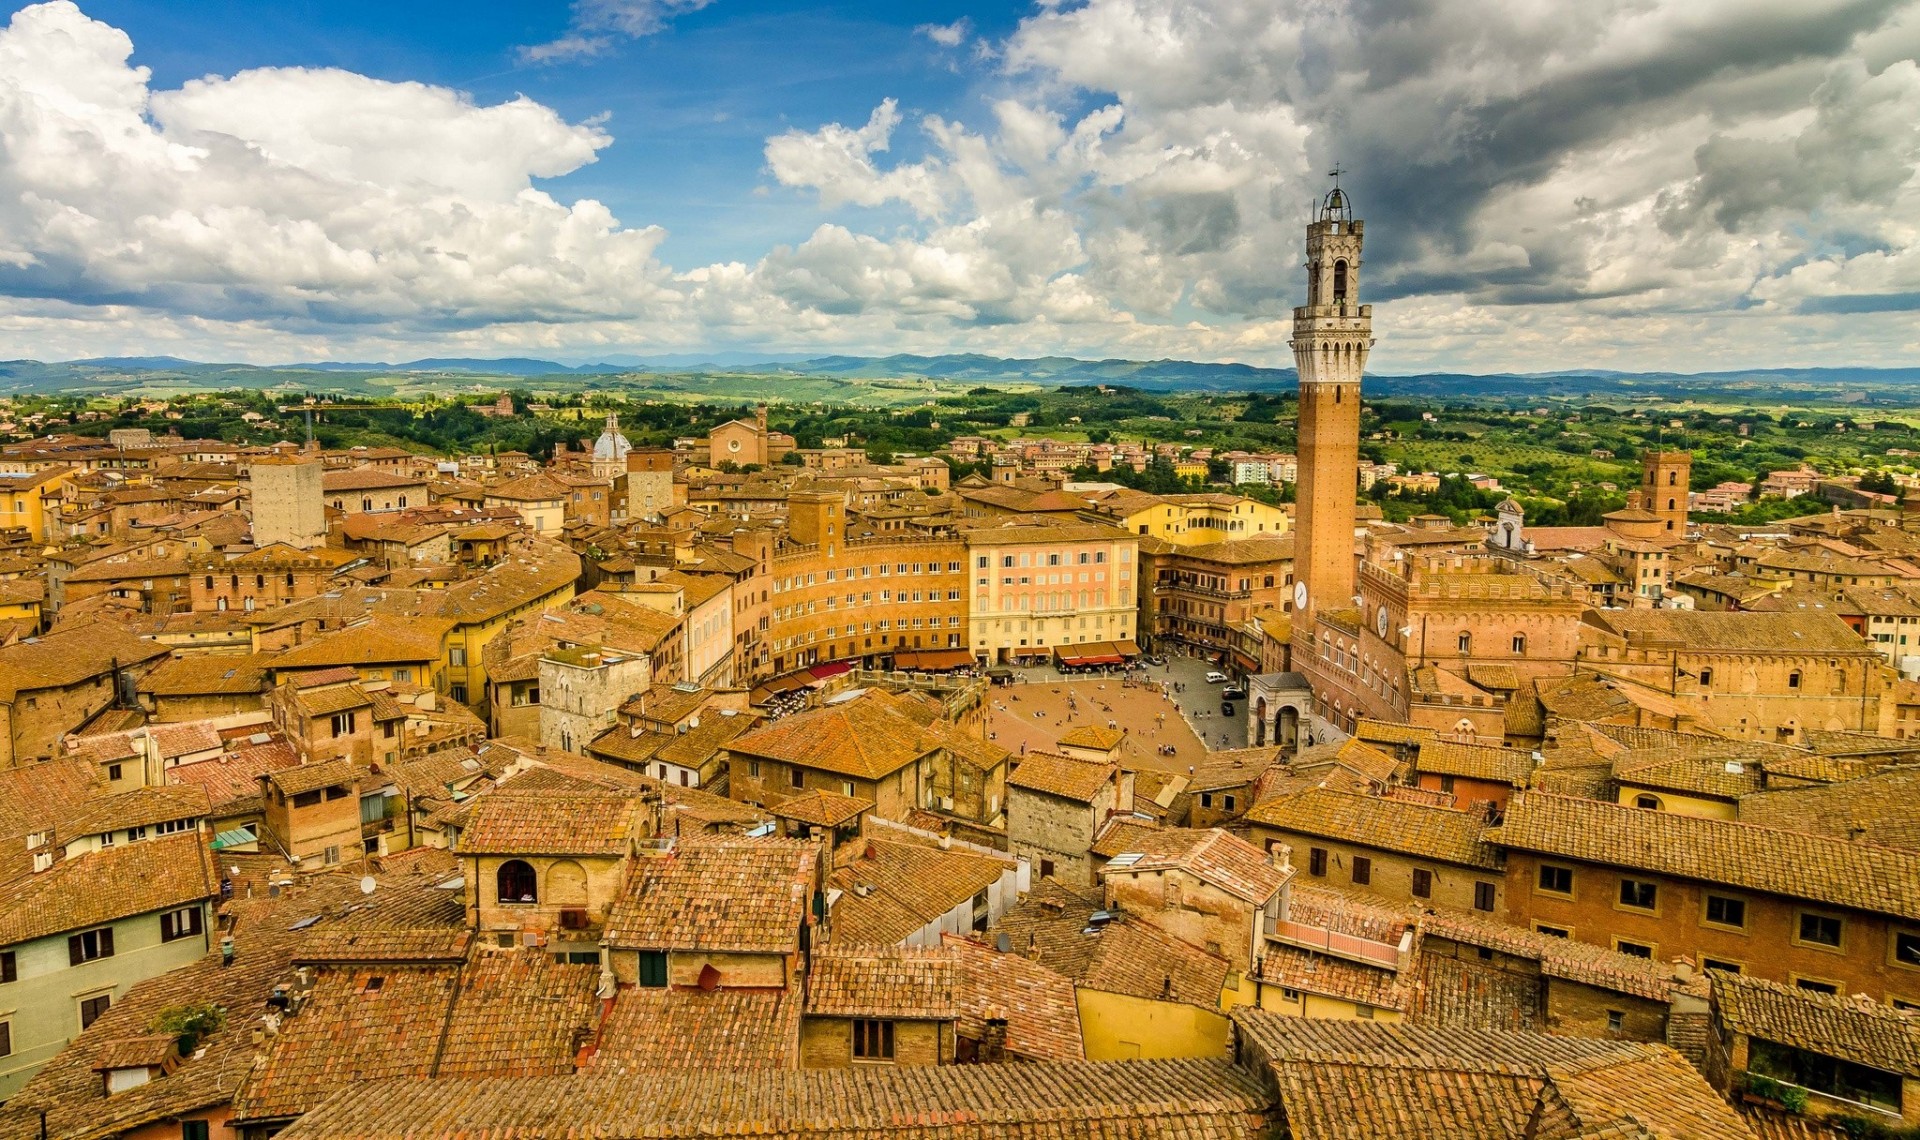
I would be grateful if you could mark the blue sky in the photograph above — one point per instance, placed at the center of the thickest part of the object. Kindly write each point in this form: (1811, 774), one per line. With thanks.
(1685, 185)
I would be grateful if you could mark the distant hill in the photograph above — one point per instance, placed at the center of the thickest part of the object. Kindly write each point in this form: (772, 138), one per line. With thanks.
(752, 375)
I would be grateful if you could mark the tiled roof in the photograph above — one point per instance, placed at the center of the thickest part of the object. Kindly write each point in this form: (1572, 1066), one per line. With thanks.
(381, 638)
(892, 890)
(139, 807)
(1854, 1029)
(36, 797)
(1065, 777)
(1876, 809)
(1053, 926)
(1565, 958)
(728, 895)
(507, 822)
(866, 737)
(335, 945)
(198, 675)
(1226, 861)
(665, 1028)
(1384, 824)
(358, 1024)
(1709, 631)
(1304, 970)
(821, 808)
(1366, 1080)
(232, 781)
(519, 1013)
(883, 981)
(1094, 737)
(69, 656)
(1476, 762)
(308, 777)
(1038, 1006)
(1189, 1099)
(106, 885)
(1792, 864)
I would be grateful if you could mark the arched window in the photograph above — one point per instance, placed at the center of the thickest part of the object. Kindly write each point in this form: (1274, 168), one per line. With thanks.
(517, 882)
(1519, 643)
(1651, 803)
(1672, 504)
(1673, 477)
(1793, 679)
(1465, 642)
(1340, 280)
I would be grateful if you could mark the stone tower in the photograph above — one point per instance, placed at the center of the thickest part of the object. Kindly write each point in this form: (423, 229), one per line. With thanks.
(1331, 335)
(286, 501)
(1664, 480)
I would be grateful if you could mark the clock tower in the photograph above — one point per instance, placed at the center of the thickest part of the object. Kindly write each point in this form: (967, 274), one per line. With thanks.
(1332, 333)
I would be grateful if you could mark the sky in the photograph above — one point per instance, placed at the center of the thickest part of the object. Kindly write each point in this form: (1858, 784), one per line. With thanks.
(1673, 185)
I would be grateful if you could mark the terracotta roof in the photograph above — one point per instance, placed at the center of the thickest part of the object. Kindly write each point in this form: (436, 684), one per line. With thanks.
(1226, 861)
(1038, 1006)
(1349, 1080)
(308, 777)
(866, 737)
(1304, 970)
(1875, 809)
(69, 656)
(35, 797)
(150, 1050)
(381, 638)
(507, 822)
(1709, 631)
(883, 981)
(1856, 1029)
(201, 674)
(1054, 926)
(139, 807)
(893, 890)
(1065, 777)
(1094, 737)
(1792, 864)
(232, 781)
(1192, 1099)
(728, 895)
(1476, 762)
(417, 944)
(107, 885)
(1384, 824)
(519, 1013)
(821, 808)
(652, 1029)
(1566, 958)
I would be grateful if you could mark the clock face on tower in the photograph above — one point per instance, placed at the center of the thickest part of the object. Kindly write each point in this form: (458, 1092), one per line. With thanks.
(1380, 621)
(1299, 595)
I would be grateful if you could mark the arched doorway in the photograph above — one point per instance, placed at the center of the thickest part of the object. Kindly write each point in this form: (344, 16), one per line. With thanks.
(1260, 723)
(1286, 731)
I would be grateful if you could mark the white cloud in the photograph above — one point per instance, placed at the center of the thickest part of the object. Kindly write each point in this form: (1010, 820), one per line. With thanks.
(1683, 184)
(947, 35)
(597, 26)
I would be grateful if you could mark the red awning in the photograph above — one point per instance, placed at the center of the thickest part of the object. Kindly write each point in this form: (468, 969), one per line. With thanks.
(831, 669)
(932, 659)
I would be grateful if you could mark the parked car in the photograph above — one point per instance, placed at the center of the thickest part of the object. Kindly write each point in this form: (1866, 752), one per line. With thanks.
(1154, 659)
(1226, 708)
(1216, 678)
(1233, 693)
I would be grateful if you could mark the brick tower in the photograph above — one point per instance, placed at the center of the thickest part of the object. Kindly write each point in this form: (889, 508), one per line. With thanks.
(1664, 478)
(1331, 335)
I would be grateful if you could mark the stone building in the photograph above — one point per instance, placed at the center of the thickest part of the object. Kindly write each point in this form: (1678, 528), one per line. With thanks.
(580, 687)
(1056, 806)
(288, 502)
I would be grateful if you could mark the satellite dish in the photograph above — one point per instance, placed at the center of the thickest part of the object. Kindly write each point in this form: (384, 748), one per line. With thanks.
(366, 884)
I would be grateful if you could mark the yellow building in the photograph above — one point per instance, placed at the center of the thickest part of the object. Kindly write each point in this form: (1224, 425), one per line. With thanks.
(24, 499)
(1194, 520)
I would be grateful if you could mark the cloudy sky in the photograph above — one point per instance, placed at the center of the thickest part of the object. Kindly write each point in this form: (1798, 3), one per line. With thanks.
(1636, 184)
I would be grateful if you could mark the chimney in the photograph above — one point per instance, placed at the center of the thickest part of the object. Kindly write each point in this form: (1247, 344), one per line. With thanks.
(993, 1042)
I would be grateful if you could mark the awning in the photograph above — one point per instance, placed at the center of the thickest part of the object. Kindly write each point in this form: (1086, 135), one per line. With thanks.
(789, 683)
(830, 669)
(932, 660)
(1126, 649)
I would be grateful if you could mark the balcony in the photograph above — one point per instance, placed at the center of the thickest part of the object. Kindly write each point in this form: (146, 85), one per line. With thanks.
(1334, 944)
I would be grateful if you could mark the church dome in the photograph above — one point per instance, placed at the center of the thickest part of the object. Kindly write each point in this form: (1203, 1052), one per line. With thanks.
(611, 444)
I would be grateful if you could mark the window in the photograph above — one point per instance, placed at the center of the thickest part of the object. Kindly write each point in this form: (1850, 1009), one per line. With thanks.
(1706, 678)
(193, 1130)
(1616, 1020)
(1464, 642)
(1639, 894)
(1636, 949)
(1519, 643)
(183, 923)
(1046, 868)
(1816, 985)
(872, 1040)
(1829, 1075)
(797, 777)
(1820, 930)
(91, 1008)
(1422, 883)
(1793, 679)
(343, 723)
(516, 882)
(1556, 880)
(1483, 897)
(653, 969)
(1362, 870)
(457, 694)
(1723, 911)
(1720, 964)
(88, 945)
(1317, 861)
(113, 772)
(457, 655)
(1553, 931)
(306, 799)
(6, 1039)
(753, 769)
(9, 967)
(1651, 803)
(1906, 950)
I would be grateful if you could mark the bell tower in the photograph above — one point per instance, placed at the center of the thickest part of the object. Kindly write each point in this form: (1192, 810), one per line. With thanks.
(1332, 333)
